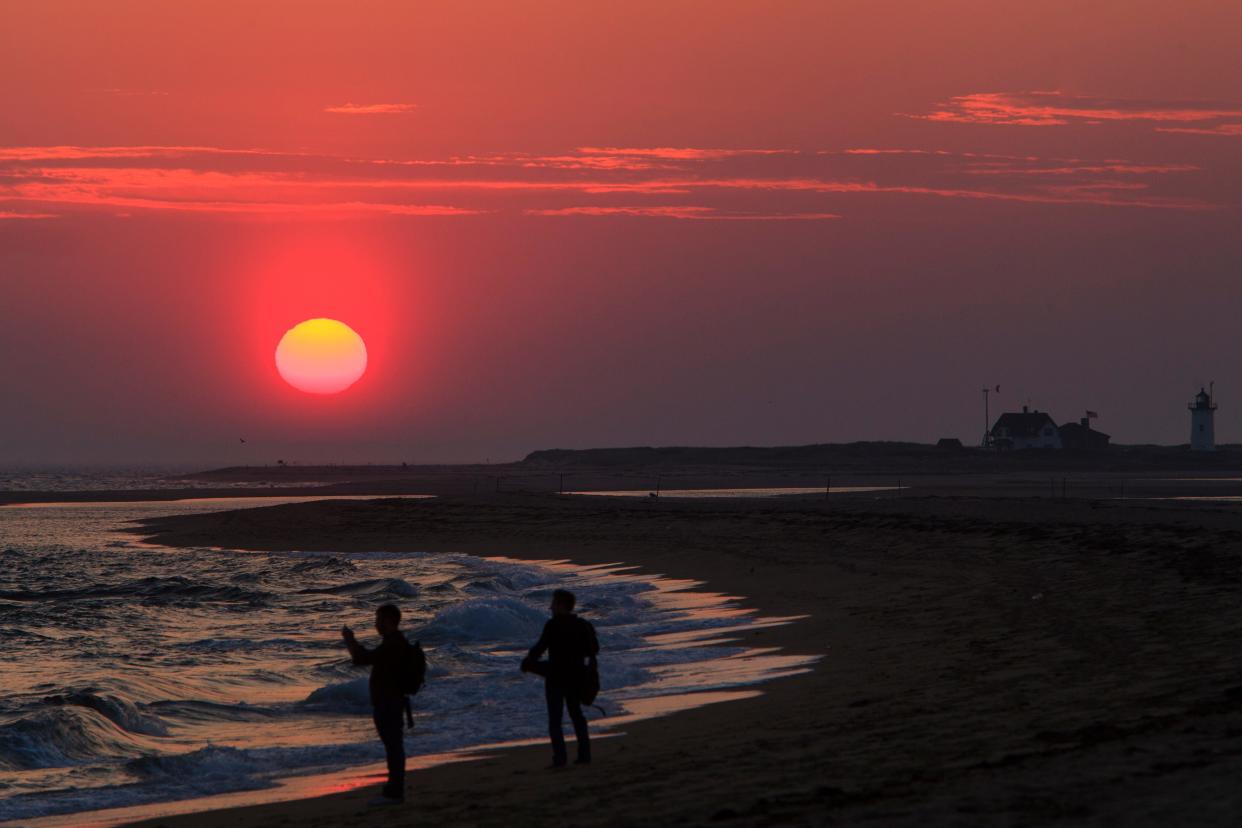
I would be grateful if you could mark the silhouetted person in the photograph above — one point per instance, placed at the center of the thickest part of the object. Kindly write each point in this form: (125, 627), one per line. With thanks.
(389, 663)
(570, 643)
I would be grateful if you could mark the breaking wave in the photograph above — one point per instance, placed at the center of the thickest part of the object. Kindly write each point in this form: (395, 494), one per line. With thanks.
(150, 674)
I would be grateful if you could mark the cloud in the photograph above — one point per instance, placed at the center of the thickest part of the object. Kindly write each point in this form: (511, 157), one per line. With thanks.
(695, 213)
(371, 109)
(928, 152)
(1233, 130)
(180, 189)
(1071, 167)
(735, 185)
(874, 151)
(8, 214)
(122, 92)
(678, 153)
(77, 153)
(1060, 108)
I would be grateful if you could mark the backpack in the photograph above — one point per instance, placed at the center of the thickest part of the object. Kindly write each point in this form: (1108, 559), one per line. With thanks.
(588, 684)
(588, 678)
(413, 677)
(414, 670)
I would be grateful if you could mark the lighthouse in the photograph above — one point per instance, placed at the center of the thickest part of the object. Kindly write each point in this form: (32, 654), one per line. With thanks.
(1202, 426)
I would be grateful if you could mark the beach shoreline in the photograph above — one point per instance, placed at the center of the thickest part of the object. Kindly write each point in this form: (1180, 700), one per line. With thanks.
(481, 483)
(986, 660)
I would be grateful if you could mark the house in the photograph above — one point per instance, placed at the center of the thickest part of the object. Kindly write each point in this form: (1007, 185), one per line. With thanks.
(1080, 436)
(1026, 430)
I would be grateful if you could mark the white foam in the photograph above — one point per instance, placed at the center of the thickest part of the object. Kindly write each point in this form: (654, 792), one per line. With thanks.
(501, 619)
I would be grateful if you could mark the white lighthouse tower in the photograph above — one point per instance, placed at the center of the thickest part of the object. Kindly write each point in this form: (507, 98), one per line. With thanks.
(1202, 422)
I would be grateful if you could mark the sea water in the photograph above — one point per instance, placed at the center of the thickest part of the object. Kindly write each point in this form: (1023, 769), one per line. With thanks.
(742, 493)
(134, 674)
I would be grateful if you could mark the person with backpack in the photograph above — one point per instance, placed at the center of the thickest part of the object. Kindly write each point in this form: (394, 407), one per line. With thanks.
(397, 672)
(570, 673)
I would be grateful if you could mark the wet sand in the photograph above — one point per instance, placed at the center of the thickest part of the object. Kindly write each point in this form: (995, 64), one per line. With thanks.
(1008, 480)
(987, 661)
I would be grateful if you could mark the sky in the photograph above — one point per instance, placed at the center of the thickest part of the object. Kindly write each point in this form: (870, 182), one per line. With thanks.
(567, 224)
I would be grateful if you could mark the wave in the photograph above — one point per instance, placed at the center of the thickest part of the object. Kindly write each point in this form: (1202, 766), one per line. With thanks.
(501, 619)
(323, 563)
(66, 735)
(368, 588)
(12, 634)
(194, 711)
(201, 772)
(121, 712)
(151, 589)
(511, 579)
(341, 697)
(229, 645)
(209, 765)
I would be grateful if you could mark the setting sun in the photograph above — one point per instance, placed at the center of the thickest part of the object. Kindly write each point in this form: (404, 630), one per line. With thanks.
(321, 356)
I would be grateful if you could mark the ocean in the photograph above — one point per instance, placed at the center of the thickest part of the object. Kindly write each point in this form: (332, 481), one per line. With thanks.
(137, 674)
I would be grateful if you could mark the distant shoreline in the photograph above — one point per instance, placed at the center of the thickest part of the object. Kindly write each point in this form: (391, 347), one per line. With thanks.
(874, 457)
(1146, 470)
(472, 481)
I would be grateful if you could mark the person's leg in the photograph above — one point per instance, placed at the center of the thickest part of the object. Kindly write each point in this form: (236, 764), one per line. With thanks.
(556, 698)
(391, 728)
(580, 726)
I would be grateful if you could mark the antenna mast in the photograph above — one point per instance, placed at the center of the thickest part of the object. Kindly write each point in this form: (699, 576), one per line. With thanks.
(987, 419)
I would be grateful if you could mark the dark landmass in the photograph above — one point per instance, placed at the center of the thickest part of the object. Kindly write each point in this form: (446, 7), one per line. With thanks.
(890, 457)
(997, 661)
(1132, 471)
(814, 462)
(135, 495)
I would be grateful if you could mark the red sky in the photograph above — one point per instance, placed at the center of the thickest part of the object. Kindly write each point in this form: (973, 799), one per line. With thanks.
(577, 224)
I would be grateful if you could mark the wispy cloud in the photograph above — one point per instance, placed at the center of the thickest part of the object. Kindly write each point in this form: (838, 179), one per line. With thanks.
(122, 92)
(696, 213)
(8, 214)
(879, 151)
(1231, 130)
(76, 153)
(670, 183)
(1072, 167)
(371, 109)
(1061, 108)
(678, 153)
(929, 152)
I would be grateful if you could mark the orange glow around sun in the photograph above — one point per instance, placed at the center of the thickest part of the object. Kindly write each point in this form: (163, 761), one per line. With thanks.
(321, 356)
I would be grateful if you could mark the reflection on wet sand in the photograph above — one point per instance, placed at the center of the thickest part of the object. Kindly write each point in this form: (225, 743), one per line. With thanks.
(287, 789)
(745, 492)
(228, 502)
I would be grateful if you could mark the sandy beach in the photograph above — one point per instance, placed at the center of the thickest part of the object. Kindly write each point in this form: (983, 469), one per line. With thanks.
(986, 661)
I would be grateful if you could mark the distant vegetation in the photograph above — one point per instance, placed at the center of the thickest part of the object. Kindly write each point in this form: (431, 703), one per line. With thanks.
(877, 456)
(726, 463)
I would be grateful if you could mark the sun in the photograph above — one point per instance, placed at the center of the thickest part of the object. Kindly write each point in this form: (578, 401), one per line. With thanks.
(321, 356)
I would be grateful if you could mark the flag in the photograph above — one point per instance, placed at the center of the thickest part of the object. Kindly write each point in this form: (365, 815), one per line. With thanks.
(998, 389)
(1091, 415)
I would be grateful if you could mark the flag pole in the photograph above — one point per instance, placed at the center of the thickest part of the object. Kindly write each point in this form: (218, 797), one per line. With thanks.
(986, 419)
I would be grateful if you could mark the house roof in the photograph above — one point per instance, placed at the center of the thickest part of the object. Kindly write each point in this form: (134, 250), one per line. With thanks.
(1075, 428)
(1023, 424)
